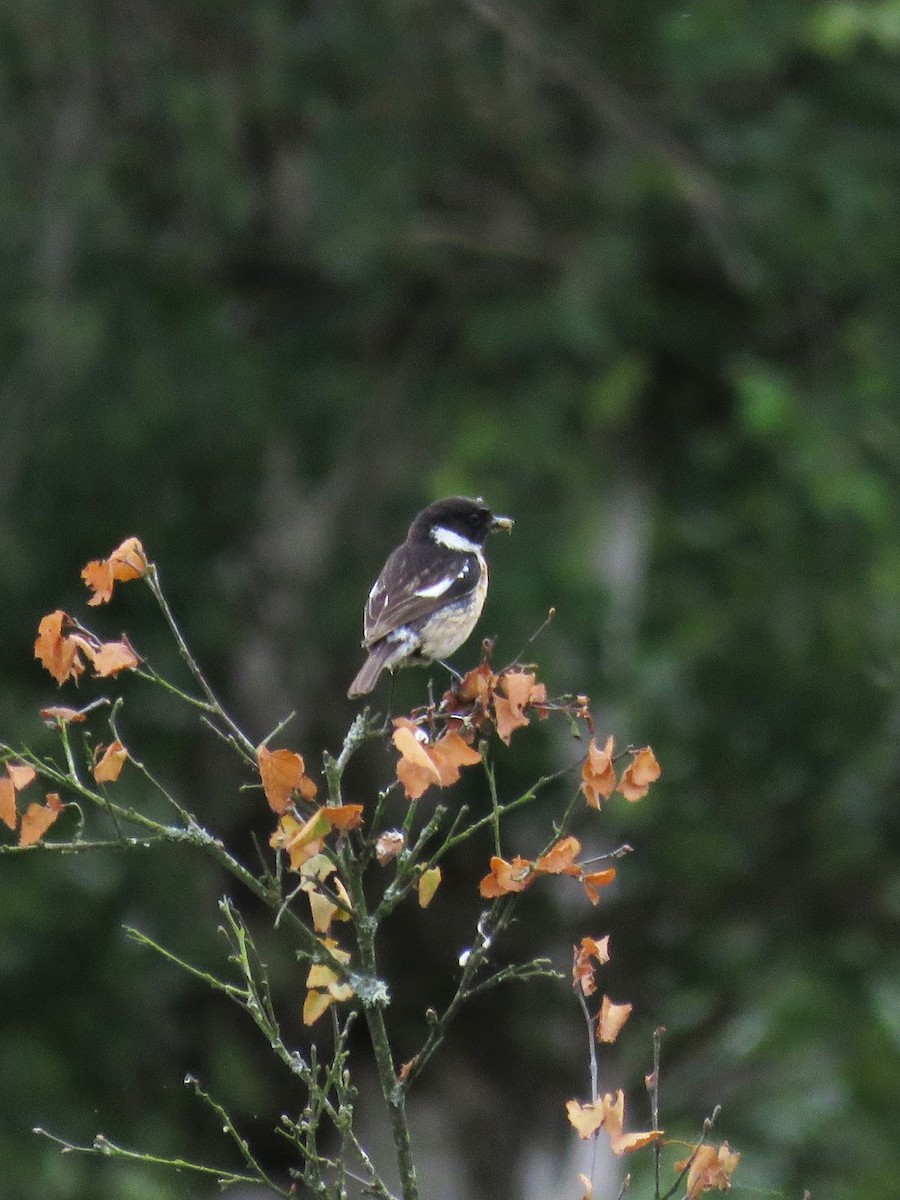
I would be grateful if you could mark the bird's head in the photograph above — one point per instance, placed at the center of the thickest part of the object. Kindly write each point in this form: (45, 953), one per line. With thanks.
(458, 523)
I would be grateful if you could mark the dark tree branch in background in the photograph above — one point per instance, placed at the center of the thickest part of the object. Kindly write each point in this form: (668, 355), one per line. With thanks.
(621, 116)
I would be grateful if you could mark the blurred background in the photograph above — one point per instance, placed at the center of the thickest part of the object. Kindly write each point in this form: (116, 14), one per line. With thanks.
(277, 274)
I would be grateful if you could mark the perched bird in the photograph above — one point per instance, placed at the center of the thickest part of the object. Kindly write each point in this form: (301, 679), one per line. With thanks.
(431, 590)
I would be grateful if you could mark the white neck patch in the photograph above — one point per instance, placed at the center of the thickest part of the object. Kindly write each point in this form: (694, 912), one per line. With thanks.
(453, 540)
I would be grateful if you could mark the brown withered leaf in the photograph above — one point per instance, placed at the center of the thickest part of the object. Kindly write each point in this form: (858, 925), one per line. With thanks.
(637, 778)
(506, 877)
(324, 985)
(301, 840)
(424, 764)
(127, 561)
(388, 846)
(519, 690)
(585, 1119)
(592, 881)
(711, 1169)
(315, 1004)
(108, 766)
(61, 715)
(324, 910)
(18, 776)
(112, 657)
(608, 1113)
(560, 858)
(598, 776)
(612, 1018)
(38, 818)
(282, 773)
(415, 770)
(8, 813)
(21, 775)
(343, 816)
(477, 685)
(449, 754)
(619, 1141)
(583, 969)
(55, 651)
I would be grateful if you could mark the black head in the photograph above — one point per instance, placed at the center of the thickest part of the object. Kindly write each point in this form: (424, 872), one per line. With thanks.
(469, 520)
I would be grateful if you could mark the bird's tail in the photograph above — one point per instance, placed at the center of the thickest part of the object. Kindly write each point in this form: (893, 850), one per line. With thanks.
(380, 656)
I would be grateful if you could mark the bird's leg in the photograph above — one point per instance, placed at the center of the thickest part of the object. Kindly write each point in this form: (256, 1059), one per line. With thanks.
(390, 704)
(453, 671)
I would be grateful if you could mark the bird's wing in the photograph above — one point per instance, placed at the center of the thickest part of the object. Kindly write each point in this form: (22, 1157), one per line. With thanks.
(414, 584)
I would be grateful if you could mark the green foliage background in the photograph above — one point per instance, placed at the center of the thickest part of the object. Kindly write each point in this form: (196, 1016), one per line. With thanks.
(275, 274)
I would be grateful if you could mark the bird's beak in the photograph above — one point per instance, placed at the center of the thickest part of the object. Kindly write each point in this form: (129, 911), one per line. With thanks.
(504, 523)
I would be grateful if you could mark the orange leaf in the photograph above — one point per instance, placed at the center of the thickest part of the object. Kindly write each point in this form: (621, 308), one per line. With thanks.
(612, 1018)
(127, 561)
(560, 858)
(520, 691)
(477, 685)
(598, 777)
(99, 578)
(38, 818)
(423, 764)
(61, 715)
(636, 779)
(302, 840)
(112, 657)
(429, 882)
(415, 770)
(314, 1005)
(624, 1143)
(585, 1119)
(21, 775)
(282, 773)
(324, 911)
(109, 767)
(710, 1169)
(592, 881)
(506, 877)
(343, 816)
(588, 1192)
(449, 753)
(583, 971)
(8, 813)
(324, 984)
(57, 653)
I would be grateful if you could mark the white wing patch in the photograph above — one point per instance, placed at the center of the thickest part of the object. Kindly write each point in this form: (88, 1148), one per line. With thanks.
(436, 589)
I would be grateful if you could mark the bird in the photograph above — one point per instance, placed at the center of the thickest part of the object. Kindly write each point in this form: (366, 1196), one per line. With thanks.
(431, 590)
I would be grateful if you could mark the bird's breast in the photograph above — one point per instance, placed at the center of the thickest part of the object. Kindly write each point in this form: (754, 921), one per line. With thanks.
(446, 630)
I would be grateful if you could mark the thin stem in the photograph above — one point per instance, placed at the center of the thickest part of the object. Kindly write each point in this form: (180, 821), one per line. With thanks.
(243, 1146)
(595, 1072)
(101, 1145)
(707, 1130)
(148, 673)
(67, 750)
(653, 1088)
(373, 1001)
(464, 834)
(491, 924)
(495, 800)
(247, 748)
(123, 843)
(551, 613)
